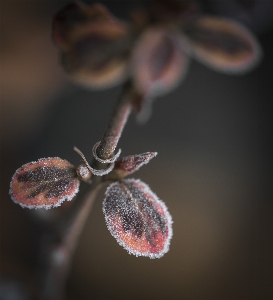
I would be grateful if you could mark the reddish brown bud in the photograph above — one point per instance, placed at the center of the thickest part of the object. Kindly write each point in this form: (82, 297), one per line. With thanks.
(130, 164)
(44, 184)
(223, 44)
(95, 44)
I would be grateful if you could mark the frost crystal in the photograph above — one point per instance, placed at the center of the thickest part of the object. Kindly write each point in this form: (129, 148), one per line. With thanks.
(44, 184)
(136, 217)
(83, 172)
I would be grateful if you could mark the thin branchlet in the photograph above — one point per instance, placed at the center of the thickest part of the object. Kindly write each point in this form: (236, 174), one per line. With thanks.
(65, 238)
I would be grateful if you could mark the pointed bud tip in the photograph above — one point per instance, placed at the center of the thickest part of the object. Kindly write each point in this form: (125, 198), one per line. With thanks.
(129, 164)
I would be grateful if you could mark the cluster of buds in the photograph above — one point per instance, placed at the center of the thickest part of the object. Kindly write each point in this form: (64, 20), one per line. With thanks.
(152, 50)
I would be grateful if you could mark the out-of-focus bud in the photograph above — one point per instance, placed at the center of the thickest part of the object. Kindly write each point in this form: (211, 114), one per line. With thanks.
(223, 45)
(95, 45)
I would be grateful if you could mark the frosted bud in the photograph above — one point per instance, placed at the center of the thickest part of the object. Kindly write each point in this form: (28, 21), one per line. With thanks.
(127, 165)
(83, 172)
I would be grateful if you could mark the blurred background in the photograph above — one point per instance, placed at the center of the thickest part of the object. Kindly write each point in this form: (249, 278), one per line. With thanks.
(214, 167)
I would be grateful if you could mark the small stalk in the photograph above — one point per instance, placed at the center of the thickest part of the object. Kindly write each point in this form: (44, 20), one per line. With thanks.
(117, 122)
(65, 237)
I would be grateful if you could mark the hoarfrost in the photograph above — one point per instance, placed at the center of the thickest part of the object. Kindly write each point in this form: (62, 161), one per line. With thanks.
(44, 184)
(138, 220)
(130, 164)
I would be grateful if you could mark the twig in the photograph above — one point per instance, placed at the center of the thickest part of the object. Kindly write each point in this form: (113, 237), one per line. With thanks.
(117, 122)
(65, 238)
(62, 246)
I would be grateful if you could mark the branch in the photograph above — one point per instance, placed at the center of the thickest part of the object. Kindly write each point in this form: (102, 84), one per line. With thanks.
(117, 122)
(65, 237)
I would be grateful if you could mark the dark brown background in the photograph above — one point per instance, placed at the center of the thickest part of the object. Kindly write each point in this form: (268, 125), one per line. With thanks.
(214, 168)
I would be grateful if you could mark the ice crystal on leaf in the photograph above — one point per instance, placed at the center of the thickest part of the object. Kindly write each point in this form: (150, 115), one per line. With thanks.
(44, 184)
(136, 217)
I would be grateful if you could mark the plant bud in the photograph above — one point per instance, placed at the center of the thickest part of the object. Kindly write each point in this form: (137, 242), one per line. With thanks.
(83, 172)
(127, 165)
(45, 183)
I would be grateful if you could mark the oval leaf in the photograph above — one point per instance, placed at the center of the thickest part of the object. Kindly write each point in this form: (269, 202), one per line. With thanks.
(127, 165)
(44, 184)
(158, 61)
(78, 20)
(136, 217)
(223, 44)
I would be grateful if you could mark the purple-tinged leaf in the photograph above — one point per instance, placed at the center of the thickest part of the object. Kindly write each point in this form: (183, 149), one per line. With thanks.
(223, 44)
(138, 220)
(94, 44)
(44, 184)
(129, 164)
(158, 61)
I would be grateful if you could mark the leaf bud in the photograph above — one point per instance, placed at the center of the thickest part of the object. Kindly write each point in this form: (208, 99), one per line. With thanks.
(83, 172)
(127, 165)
